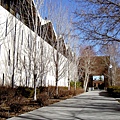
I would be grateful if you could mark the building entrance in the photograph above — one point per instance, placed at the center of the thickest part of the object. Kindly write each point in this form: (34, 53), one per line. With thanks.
(97, 70)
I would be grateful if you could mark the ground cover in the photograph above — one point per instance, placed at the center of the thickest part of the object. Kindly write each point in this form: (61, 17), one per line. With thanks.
(19, 100)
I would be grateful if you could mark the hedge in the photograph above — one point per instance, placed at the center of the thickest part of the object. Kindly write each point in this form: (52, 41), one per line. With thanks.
(114, 91)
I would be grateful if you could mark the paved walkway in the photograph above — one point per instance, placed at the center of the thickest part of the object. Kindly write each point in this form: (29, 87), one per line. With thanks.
(94, 105)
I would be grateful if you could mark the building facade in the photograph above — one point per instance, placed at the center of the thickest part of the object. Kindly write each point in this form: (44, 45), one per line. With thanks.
(30, 50)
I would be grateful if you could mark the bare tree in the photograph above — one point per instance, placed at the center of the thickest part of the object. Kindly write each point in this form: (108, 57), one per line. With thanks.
(38, 55)
(7, 36)
(29, 57)
(85, 67)
(98, 20)
(60, 19)
(26, 53)
(113, 51)
(72, 63)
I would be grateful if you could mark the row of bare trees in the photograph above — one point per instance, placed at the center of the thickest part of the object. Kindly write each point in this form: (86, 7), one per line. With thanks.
(59, 15)
(27, 52)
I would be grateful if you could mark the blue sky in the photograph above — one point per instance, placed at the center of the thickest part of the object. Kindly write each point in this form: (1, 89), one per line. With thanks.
(98, 77)
(69, 4)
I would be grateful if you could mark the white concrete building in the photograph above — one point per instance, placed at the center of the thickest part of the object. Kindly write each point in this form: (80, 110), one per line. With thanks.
(28, 48)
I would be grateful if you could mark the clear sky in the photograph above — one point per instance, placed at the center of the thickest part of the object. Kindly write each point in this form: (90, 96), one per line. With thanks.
(98, 77)
(68, 4)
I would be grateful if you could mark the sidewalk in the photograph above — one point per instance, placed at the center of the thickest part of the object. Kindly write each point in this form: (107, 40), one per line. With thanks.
(93, 105)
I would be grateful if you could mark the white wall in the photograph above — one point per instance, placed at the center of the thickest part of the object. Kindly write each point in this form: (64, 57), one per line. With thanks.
(23, 54)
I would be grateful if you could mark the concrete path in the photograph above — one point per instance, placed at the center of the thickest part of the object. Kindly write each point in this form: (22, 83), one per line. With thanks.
(93, 105)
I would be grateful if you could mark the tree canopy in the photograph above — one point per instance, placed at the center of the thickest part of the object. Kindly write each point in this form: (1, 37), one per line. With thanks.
(98, 20)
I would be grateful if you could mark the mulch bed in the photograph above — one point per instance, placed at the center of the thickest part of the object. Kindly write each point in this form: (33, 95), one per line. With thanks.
(28, 104)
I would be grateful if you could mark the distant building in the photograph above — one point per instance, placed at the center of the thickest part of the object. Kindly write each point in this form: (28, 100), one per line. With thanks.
(98, 66)
(98, 84)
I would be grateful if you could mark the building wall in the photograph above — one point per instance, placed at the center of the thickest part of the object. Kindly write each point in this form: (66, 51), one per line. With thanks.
(24, 48)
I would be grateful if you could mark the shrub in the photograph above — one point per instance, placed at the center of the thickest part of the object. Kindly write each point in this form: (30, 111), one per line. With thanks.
(25, 91)
(6, 94)
(42, 89)
(51, 91)
(56, 97)
(3, 94)
(114, 91)
(78, 84)
(63, 93)
(79, 91)
(42, 99)
(15, 107)
(16, 103)
(4, 115)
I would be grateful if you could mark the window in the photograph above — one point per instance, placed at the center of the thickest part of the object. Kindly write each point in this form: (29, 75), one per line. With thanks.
(0, 49)
(12, 11)
(38, 25)
(6, 4)
(31, 42)
(12, 6)
(24, 60)
(22, 38)
(17, 60)
(28, 40)
(9, 57)
(18, 16)
(38, 44)
(15, 31)
(41, 50)
(6, 27)
(29, 64)
(3, 80)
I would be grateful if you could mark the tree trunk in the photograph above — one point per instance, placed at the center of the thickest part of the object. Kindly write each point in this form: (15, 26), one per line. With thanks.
(3, 80)
(68, 83)
(12, 83)
(35, 75)
(56, 87)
